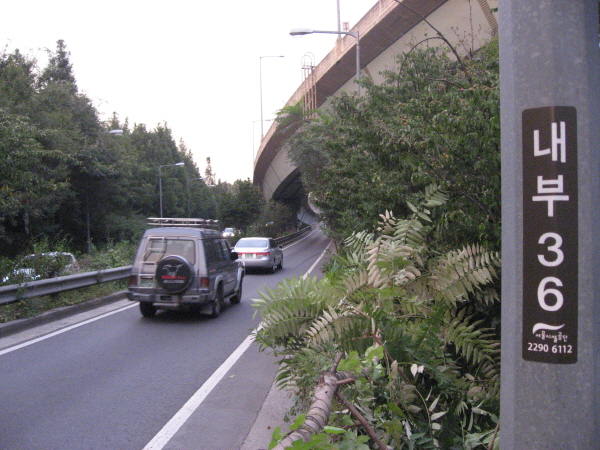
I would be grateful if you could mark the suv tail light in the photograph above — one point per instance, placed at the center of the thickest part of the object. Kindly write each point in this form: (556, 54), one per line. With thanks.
(132, 280)
(204, 282)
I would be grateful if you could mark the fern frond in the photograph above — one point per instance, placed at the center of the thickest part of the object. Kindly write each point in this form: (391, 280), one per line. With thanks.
(354, 281)
(434, 196)
(332, 326)
(463, 272)
(410, 232)
(475, 344)
(388, 289)
(291, 308)
(358, 241)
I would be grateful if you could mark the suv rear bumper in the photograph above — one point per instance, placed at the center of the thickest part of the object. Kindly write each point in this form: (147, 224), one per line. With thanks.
(168, 299)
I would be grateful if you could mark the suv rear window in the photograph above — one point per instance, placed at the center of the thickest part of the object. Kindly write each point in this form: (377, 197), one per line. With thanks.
(158, 248)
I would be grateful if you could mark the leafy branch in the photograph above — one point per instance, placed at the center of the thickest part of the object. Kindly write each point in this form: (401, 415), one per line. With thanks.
(393, 305)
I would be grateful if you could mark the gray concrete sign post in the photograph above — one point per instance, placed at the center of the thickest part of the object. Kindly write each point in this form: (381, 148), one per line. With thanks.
(550, 112)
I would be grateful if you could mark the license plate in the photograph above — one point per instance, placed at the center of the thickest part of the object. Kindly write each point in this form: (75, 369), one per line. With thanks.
(249, 256)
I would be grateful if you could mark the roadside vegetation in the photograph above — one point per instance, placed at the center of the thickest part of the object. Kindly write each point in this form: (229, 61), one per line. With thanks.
(403, 330)
(407, 178)
(112, 255)
(64, 172)
(68, 183)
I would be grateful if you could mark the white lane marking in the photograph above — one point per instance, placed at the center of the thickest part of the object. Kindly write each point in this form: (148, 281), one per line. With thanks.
(64, 330)
(317, 261)
(300, 240)
(168, 431)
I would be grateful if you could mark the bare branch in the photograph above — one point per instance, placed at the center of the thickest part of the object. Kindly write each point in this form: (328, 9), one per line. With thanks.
(338, 358)
(362, 420)
(443, 38)
(346, 381)
(494, 438)
(318, 413)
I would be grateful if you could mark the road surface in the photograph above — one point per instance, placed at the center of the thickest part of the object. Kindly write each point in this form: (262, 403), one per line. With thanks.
(110, 379)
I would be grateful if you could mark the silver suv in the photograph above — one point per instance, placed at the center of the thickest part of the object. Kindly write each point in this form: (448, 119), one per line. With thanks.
(185, 265)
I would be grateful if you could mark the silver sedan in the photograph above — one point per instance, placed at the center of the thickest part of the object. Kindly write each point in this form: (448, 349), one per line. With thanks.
(259, 253)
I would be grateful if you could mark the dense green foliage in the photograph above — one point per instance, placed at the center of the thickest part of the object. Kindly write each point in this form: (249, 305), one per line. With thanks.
(417, 328)
(242, 205)
(64, 175)
(413, 308)
(431, 120)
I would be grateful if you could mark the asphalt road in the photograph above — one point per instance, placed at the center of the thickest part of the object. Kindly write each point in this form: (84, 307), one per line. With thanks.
(110, 379)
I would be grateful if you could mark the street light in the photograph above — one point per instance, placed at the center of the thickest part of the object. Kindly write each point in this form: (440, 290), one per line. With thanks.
(354, 34)
(187, 185)
(262, 134)
(160, 183)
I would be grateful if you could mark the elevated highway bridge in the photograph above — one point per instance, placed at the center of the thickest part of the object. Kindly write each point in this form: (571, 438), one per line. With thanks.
(387, 30)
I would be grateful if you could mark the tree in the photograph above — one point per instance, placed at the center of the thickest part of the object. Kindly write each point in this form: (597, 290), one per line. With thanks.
(209, 176)
(276, 219)
(17, 82)
(64, 175)
(33, 181)
(59, 68)
(242, 206)
(151, 149)
(432, 120)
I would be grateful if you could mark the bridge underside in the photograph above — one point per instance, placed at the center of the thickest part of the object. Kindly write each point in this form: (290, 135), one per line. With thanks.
(291, 189)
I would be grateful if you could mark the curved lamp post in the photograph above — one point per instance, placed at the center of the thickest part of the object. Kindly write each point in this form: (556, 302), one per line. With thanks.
(354, 34)
(160, 183)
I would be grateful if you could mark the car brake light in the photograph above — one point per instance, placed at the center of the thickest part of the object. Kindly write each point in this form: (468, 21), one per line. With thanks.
(204, 282)
(132, 280)
(263, 254)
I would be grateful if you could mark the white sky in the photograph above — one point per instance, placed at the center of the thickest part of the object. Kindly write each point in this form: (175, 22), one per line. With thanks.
(193, 65)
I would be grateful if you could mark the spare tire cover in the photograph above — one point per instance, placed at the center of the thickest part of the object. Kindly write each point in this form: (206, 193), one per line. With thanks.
(174, 274)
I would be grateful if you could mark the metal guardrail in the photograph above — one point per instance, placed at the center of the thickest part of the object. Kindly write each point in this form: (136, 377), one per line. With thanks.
(292, 237)
(16, 292)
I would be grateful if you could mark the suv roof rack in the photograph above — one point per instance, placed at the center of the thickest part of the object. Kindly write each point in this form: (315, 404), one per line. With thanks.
(189, 223)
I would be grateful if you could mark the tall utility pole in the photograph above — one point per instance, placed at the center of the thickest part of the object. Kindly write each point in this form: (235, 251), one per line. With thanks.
(260, 58)
(550, 112)
(339, 23)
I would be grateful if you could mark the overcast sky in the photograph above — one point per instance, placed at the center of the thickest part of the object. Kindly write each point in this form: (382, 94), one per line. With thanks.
(193, 65)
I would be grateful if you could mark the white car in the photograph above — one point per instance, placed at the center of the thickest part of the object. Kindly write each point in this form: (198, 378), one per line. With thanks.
(259, 253)
(228, 232)
(42, 265)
